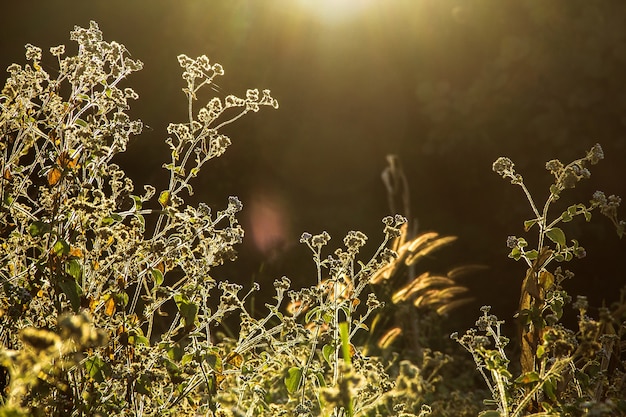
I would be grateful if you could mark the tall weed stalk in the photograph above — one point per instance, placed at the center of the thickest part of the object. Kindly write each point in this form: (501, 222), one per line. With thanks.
(560, 371)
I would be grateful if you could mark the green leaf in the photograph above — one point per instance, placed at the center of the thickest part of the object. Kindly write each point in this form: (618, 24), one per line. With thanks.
(531, 255)
(111, 219)
(327, 351)
(38, 228)
(187, 358)
(314, 312)
(175, 353)
(556, 235)
(557, 307)
(121, 298)
(138, 339)
(72, 291)
(361, 325)
(8, 200)
(164, 198)
(137, 202)
(527, 378)
(96, 368)
(73, 268)
(81, 123)
(549, 389)
(158, 276)
(142, 385)
(505, 373)
(541, 350)
(60, 248)
(320, 379)
(555, 191)
(214, 361)
(566, 217)
(344, 334)
(187, 309)
(582, 378)
(515, 254)
(293, 379)
(529, 223)
(327, 317)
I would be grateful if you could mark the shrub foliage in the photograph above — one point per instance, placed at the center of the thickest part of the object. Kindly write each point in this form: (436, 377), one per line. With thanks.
(108, 306)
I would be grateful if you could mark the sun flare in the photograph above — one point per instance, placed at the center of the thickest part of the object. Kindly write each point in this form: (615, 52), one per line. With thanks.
(333, 11)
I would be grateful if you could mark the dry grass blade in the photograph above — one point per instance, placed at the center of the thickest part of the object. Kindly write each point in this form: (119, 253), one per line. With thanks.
(426, 290)
(464, 270)
(409, 252)
(441, 297)
(388, 338)
(428, 248)
(450, 292)
(446, 308)
(385, 273)
(428, 299)
(424, 281)
(414, 245)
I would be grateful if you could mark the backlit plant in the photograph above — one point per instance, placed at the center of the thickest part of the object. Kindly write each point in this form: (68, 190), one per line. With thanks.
(562, 371)
(108, 306)
(75, 239)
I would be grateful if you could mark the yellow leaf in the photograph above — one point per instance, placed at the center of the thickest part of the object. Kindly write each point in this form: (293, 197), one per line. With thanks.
(164, 199)
(93, 303)
(235, 359)
(109, 308)
(66, 161)
(219, 378)
(54, 176)
(546, 280)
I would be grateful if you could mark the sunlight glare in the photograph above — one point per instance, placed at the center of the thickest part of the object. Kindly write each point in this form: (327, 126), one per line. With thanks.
(334, 11)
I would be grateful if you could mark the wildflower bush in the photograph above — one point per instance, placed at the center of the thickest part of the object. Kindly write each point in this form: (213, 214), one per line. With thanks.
(561, 371)
(108, 305)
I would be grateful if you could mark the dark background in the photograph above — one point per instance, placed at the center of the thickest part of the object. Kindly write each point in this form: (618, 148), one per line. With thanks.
(447, 85)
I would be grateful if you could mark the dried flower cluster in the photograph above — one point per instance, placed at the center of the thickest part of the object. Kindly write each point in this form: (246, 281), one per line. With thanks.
(75, 241)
